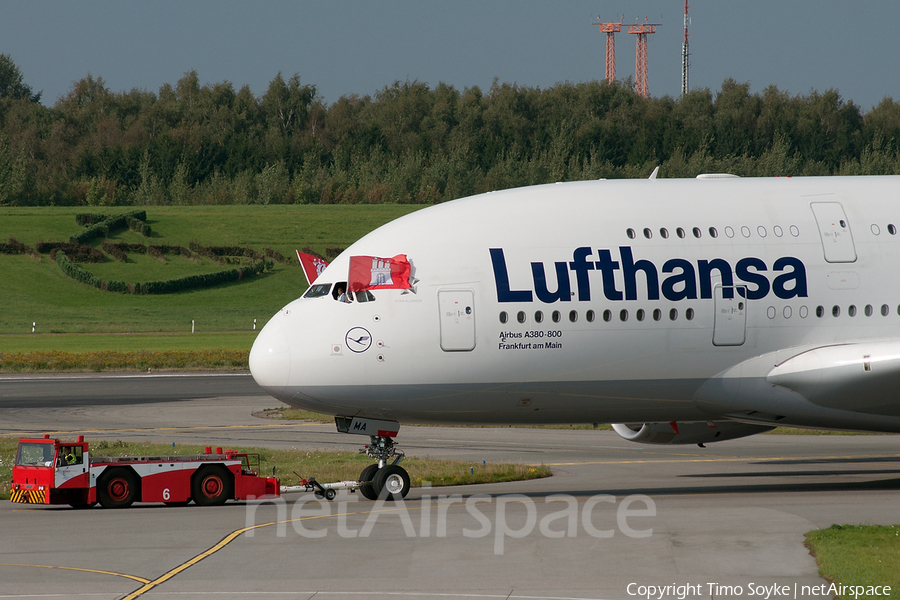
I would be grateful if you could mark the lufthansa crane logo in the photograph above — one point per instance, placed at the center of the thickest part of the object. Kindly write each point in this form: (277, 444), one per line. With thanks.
(358, 339)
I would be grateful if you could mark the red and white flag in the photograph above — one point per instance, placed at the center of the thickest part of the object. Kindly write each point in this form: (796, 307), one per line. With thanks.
(373, 273)
(312, 265)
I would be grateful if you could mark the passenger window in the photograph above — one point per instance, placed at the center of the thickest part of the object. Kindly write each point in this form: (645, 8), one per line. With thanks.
(538, 317)
(657, 314)
(503, 317)
(869, 310)
(623, 315)
(640, 314)
(713, 233)
(673, 314)
(680, 232)
(689, 314)
(607, 315)
(520, 316)
(647, 233)
(318, 290)
(556, 316)
(891, 229)
(573, 315)
(696, 231)
(820, 311)
(664, 233)
(589, 315)
(630, 233)
(885, 310)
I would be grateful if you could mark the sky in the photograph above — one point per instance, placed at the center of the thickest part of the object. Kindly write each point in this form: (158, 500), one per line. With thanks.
(346, 47)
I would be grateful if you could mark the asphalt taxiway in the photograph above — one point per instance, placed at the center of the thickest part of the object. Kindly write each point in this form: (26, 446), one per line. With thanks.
(615, 516)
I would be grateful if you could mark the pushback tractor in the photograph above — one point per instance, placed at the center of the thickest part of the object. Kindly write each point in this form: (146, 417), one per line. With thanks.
(50, 471)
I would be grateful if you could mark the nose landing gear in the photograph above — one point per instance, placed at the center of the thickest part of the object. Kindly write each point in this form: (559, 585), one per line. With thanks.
(380, 480)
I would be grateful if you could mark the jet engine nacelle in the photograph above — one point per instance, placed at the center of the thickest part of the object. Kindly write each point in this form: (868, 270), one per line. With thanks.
(688, 433)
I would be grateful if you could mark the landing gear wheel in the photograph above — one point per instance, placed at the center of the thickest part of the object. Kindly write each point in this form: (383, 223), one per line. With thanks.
(365, 483)
(117, 488)
(391, 482)
(211, 486)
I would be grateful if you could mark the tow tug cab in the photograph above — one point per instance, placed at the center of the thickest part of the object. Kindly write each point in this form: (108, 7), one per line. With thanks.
(50, 471)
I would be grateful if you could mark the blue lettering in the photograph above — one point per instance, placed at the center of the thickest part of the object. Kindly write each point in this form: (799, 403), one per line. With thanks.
(797, 276)
(581, 268)
(687, 280)
(684, 278)
(562, 292)
(630, 269)
(501, 278)
(608, 267)
(741, 269)
(705, 267)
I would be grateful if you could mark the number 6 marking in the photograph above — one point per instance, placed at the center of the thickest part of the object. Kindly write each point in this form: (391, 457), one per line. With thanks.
(166, 494)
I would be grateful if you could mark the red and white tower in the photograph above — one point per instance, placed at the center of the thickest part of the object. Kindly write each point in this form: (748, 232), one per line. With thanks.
(641, 30)
(610, 29)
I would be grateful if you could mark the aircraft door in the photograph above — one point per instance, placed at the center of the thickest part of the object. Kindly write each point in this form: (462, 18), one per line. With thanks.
(457, 320)
(730, 327)
(834, 229)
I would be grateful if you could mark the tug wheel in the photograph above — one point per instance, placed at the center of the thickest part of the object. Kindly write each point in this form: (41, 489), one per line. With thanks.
(117, 488)
(211, 486)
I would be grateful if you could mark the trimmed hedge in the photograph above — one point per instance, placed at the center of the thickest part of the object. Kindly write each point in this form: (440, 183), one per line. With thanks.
(102, 227)
(16, 247)
(160, 287)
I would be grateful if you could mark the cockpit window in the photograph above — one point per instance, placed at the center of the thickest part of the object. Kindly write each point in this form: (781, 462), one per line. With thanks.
(318, 290)
(341, 294)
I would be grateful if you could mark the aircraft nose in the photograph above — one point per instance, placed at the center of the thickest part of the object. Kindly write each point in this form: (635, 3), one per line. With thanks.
(270, 358)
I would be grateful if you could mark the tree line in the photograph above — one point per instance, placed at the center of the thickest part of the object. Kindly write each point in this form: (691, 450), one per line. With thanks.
(409, 142)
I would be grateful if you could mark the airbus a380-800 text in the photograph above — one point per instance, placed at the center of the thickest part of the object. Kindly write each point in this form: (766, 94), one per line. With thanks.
(684, 311)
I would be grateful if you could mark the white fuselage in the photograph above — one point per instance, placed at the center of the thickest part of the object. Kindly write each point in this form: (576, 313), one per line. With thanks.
(758, 300)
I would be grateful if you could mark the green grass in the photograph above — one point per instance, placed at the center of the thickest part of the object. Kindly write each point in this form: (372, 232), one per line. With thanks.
(37, 291)
(129, 342)
(294, 465)
(858, 555)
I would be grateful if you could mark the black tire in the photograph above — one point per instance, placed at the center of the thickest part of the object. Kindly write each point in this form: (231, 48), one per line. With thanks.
(365, 483)
(117, 488)
(330, 495)
(212, 486)
(391, 482)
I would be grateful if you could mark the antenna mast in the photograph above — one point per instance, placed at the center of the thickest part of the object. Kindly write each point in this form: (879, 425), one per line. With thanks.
(685, 62)
(610, 29)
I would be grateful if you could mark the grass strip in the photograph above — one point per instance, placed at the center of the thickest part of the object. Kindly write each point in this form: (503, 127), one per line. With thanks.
(111, 360)
(858, 555)
(294, 465)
